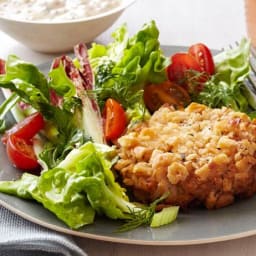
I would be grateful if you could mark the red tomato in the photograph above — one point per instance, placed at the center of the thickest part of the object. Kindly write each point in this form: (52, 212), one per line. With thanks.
(181, 63)
(203, 56)
(27, 128)
(155, 95)
(114, 119)
(21, 154)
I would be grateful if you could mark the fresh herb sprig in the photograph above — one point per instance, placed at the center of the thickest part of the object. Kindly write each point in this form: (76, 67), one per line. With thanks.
(142, 215)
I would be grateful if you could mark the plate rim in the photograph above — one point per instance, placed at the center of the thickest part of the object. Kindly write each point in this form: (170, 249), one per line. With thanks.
(68, 231)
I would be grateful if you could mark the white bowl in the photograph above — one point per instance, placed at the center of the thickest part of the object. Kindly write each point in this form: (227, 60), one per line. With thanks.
(53, 37)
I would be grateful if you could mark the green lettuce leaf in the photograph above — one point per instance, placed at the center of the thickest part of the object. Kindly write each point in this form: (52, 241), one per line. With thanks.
(60, 82)
(62, 192)
(123, 67)
(226, 87)
(232, 65)
(59, 191)
(27, 72)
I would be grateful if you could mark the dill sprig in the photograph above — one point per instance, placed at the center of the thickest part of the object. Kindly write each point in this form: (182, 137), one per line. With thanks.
(141, 215)
(138, 217)
(116, 85)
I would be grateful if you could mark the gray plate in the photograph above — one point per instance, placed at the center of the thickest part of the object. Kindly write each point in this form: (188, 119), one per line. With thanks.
(195, 227)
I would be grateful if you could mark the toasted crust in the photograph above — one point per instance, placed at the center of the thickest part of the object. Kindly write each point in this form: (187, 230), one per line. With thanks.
(200, 155)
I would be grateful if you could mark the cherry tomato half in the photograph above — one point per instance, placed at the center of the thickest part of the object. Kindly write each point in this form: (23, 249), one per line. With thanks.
(177, 71)
(27, 128)
(21, 154)
(114, 119)
(203, 56)
(155, 95)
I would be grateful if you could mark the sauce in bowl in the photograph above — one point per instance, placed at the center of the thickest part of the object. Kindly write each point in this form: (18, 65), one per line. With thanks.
(55, 10)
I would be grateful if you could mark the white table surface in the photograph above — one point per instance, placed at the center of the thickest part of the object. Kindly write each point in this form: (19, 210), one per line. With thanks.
(217, 23)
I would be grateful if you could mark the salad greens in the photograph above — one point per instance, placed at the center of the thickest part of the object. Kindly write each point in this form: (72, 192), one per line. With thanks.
(33, 90)
(123, 67)
(227, 87)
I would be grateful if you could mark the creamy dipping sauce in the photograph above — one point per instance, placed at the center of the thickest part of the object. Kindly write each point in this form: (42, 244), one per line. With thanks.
(55, 10)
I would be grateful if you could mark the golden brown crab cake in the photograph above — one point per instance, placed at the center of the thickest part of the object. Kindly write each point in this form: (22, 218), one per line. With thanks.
(200, 155)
